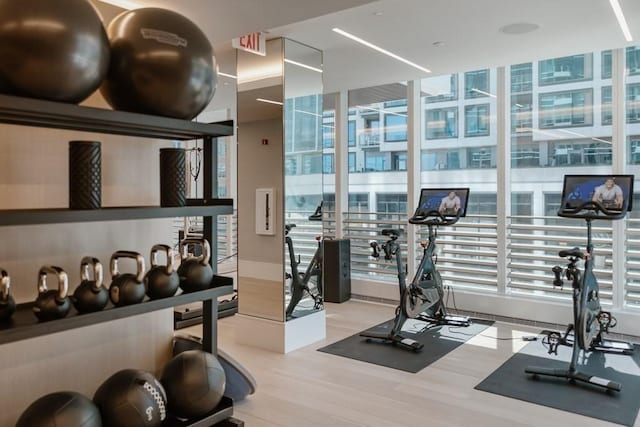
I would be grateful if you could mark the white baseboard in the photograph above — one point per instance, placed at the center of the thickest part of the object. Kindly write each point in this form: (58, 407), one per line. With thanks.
(281, 337)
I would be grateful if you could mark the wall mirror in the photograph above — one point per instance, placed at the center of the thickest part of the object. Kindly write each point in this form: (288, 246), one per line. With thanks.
(303, 167)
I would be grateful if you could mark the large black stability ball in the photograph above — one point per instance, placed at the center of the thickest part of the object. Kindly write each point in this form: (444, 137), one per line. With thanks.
(63, 408)
(52, 49)
(131, 398)
(161, 63)
(195, 382)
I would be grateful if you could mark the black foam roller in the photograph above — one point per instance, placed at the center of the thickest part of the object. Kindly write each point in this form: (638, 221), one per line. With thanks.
(85, 175)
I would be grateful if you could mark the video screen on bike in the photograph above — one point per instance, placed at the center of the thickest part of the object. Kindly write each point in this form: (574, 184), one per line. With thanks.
(446, 201)
(613, 192)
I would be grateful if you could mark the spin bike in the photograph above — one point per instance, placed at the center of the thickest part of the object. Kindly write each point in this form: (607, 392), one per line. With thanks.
(300, 281)
(589, 320)
(423, 298)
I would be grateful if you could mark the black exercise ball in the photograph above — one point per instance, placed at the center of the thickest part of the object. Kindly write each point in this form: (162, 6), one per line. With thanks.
(52, 49)
(195, 382)
(131, 398)
(63, 408)
(161, 63)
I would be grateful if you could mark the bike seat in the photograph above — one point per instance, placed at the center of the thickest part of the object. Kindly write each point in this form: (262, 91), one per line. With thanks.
(393, 232)
(575, 252)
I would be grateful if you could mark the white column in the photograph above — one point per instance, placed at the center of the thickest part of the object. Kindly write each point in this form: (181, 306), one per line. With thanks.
(619, 150)
(413, 166)
(503, 176)
(342, 159)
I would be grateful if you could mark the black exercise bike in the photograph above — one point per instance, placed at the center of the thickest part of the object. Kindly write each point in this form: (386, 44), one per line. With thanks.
(589, 320)
(300, 282)
(423, 299)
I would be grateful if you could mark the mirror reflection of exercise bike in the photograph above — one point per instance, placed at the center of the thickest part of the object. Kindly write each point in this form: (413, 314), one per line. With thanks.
(590, 321)
(308, 282)
(423, 298)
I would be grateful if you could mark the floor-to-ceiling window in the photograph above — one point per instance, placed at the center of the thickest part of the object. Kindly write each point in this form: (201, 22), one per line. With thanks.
(458, 150)
(377, 166)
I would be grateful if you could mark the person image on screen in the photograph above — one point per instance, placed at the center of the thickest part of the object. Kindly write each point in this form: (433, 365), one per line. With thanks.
(450, 204)
(608, 194)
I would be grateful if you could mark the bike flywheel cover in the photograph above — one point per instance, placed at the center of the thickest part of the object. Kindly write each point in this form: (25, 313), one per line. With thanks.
(412, 303)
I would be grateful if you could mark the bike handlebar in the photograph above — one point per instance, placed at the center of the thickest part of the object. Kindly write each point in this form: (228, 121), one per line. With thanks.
(434, 217)
(593, 210)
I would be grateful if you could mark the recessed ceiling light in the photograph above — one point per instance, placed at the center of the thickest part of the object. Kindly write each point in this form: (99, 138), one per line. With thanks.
(300, 64)
(621, 21)
(379, 49)
(438, 44)
(269, 101)
(519, 28)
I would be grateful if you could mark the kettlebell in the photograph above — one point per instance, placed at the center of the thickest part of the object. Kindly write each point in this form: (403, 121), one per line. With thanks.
(52, 304)
(126, 288)
(194, 271)
(7, 303)
(90, 295)
(161, 281)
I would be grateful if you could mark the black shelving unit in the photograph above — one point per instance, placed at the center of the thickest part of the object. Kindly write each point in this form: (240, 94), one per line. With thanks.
(55, 115)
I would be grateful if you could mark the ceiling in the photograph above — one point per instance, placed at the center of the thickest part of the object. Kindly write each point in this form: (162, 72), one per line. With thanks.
(468, 28)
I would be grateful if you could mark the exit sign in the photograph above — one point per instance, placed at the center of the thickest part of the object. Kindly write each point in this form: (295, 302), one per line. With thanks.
(254, 43)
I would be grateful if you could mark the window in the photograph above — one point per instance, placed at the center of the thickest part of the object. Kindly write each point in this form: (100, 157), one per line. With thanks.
(440, 89)
(476, 120)
(328, 132)
(352, 133)
(395, 127)
(525, 156)
(565, 109)
(327, 164)
(575, 153)
(328, 202)
(352, 162)
(522, 204)
(522, 77)
(442, 123)
(399, 161)
(312, 163)
(375, 161)
(607, 117)
(606, 64)
(633, 60)
(359, 202)
(439, 160)
(303, 123)
(397, 103)
(521, 112)
(476, 84)
(482, 204)
(291, 165)
(565, 69)
(481, 158)
(633, 103)
(634, 156)
(391, 202)
(552, 204)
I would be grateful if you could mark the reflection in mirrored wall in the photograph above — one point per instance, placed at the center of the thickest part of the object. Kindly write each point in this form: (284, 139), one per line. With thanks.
(303, 167)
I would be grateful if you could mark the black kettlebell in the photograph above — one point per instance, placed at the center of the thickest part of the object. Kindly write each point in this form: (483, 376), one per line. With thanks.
(90, 295)
(195, 272)
(161, 281)
(52, 304)
(126, 288)
(7, 303)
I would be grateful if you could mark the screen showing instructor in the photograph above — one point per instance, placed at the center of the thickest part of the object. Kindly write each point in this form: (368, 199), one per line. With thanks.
(450, 205)
(609, 194)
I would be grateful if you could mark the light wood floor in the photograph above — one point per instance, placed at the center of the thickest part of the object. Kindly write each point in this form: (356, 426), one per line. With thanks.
(310, 388)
